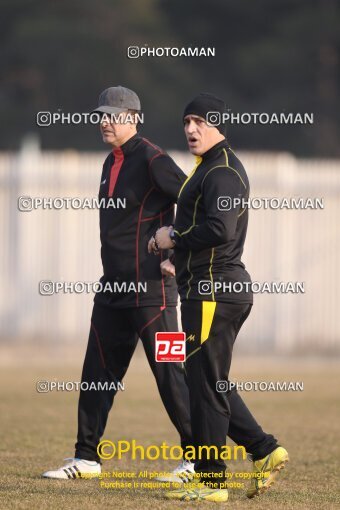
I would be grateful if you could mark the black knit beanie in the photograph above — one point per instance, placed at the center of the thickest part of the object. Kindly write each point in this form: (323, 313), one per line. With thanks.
(204, 103)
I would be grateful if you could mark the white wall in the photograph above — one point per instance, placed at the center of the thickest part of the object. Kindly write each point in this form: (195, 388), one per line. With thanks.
(282, 245)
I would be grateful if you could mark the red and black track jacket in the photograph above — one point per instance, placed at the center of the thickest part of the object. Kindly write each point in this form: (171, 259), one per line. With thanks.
(147, 181)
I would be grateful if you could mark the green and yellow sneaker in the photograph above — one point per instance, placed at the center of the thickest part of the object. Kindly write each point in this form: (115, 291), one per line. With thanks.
(199, 492)
(266, 470)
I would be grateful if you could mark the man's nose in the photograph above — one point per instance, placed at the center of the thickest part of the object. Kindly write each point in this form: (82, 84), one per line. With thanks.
(190, 127)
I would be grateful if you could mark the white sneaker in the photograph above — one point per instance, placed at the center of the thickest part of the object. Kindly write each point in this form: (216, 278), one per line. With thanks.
(75, 468)
(183, 473)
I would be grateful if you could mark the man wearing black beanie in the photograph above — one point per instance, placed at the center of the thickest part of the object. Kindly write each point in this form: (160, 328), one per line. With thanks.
(208, 238)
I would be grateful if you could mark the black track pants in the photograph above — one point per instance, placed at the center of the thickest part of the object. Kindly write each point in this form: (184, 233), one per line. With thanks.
(211, 329)
(112, 341)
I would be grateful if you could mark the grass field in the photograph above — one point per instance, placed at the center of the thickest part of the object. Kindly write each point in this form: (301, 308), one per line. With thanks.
(38, 431)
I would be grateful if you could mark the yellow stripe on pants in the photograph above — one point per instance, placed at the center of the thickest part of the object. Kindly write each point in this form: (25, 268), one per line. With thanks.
(208, 312)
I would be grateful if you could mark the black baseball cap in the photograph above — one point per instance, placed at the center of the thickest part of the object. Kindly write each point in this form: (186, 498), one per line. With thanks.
(117, 100)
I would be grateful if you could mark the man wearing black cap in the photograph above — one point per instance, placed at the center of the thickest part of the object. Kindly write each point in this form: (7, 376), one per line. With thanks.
(143, 300)
(208, 238)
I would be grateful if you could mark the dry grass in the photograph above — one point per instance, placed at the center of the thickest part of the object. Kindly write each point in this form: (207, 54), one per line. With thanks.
(39, 431)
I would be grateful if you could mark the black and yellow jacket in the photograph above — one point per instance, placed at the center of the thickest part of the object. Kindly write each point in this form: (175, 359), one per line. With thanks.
(210, 232)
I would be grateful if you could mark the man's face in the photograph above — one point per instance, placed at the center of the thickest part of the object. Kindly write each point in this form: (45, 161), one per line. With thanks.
(117, 133)
(200, 136)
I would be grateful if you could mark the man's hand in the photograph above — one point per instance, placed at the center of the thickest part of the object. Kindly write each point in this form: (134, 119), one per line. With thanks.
(167, 268)
(152, 247)
(162, 238)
